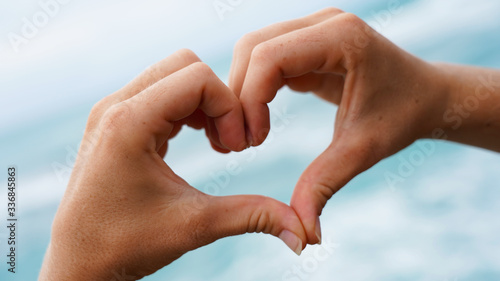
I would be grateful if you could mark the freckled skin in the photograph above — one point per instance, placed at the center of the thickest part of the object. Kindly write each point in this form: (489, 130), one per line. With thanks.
(386, 97)
(125, 212)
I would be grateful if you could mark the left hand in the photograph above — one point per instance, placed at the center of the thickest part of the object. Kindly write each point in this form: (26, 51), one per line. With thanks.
(125, 211)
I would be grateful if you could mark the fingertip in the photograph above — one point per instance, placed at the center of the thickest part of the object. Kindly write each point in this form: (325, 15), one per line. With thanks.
(257, 121)
(292, 241)
(219, 149)
(317, 230)
(260, 135)
(293, 233)
(233, 142)
(249, 137)
(292, 223)
(259, 130)
(229, 132)
(231, 128)
(304, 204)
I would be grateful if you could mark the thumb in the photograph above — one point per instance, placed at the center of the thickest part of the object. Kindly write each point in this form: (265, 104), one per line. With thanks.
(329, 172)
(233, 215)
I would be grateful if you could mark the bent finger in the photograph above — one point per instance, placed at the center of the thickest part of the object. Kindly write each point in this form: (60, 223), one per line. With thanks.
(244, 47)
(314, 49)
(327, 174)
(148, 77)
(153, 111)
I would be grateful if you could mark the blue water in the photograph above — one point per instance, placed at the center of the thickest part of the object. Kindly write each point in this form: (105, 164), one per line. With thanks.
(441, 223)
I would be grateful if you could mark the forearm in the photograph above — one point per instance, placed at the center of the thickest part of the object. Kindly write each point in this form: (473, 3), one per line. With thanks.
(473, 112)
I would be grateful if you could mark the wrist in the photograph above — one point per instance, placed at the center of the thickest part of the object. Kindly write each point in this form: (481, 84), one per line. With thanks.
(472, 111)
(438, 90)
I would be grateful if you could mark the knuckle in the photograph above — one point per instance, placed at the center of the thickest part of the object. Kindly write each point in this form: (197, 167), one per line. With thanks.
(188, 55)
(332, 11)
(247, 42)
(323, 186)
(151, 73)
(116, 117)
(99, 108)
(358, 37)
(325, 191)
(97, 111)
(161, 69)
(263, 52)
(201, 68)
(260, 219)
(359, 31)
(350, 19)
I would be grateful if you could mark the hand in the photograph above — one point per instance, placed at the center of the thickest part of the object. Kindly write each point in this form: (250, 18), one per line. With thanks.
(125, 211)
(387, 98)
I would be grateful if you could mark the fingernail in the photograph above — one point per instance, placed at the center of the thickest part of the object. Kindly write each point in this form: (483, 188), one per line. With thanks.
(249, 137)
(318, 230)
(292, 241)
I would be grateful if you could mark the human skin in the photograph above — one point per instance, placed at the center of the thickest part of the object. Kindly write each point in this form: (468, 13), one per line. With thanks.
(386, 97)
(125, 213)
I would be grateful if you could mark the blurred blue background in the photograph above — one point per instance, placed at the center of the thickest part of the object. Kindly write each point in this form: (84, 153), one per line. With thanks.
(439, 223)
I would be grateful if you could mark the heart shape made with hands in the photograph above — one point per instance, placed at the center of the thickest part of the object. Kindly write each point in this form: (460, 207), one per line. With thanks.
(237, 116)
(341, 59)
(332, 54)
(151, 215)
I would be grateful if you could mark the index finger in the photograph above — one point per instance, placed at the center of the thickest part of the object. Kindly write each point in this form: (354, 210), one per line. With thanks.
(151, 113)
(148, 77)
(244, 47)
(319, 48)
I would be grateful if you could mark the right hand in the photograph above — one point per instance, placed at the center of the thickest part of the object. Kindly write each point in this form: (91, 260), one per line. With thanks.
(387, 98)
